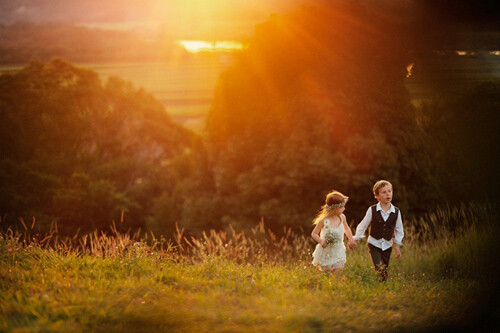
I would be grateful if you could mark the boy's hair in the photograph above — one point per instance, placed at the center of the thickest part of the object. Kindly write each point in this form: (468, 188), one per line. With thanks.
(379, 184)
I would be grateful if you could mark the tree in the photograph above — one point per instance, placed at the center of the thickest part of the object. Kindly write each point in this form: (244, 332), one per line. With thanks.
(316, 102)
(82, 152)
(463, 132)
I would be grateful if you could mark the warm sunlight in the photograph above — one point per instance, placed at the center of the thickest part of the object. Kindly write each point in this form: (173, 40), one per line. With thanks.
(195, 46)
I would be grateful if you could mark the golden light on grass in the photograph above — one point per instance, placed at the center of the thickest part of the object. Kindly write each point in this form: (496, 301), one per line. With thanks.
(90, 276)
(195, 46)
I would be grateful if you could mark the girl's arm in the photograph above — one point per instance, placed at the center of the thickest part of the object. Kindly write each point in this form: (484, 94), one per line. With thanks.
(316, 231)
(347, 230)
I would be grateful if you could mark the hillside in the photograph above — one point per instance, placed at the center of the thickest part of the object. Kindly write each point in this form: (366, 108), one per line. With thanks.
(85, 152)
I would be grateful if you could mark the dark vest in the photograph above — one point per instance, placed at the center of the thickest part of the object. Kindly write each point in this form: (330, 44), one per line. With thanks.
(380, 228)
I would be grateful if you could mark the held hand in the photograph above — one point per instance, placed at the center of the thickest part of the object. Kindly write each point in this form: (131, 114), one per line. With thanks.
(397, 248)
(352, 245)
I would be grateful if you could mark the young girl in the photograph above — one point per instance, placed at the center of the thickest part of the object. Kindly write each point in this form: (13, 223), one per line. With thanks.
(331, 225)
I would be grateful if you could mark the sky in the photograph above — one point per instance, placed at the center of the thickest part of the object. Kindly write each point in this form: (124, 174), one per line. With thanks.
(231, 19)
(184, 19)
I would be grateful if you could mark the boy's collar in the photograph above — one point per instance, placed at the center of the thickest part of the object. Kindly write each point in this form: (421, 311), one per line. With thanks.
(391, 210)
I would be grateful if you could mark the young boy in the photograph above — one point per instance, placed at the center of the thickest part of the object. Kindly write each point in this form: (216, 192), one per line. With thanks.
(385, 222)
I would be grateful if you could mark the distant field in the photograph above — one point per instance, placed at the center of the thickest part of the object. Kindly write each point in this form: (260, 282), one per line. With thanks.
(186, 86)
(451, 73)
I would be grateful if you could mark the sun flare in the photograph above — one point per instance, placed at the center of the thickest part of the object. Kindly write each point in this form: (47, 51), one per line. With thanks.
(195, 46)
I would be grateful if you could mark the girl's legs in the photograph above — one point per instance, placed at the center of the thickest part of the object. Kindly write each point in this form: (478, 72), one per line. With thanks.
(326, 269)
(337, 268)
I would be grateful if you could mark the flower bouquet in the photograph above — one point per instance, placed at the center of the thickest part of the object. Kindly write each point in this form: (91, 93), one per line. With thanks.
(332, 238)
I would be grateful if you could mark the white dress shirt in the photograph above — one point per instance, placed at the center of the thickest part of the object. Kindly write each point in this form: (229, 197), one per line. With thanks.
(381, 243)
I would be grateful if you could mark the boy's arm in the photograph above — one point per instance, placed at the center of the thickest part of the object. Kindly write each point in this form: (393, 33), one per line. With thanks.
(365, 222)
(399, 234)
(398, 230)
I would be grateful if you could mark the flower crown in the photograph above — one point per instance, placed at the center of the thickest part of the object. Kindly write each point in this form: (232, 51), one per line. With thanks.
(337, 205)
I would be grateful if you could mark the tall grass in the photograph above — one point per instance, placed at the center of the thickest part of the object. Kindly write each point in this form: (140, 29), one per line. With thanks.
(453, 241)
(236, 281)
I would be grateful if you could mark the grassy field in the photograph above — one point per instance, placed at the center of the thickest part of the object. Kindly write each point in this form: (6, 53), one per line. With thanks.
(256, 281)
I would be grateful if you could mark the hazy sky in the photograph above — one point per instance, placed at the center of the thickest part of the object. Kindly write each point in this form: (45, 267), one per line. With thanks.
(183, 18)
(223, 19)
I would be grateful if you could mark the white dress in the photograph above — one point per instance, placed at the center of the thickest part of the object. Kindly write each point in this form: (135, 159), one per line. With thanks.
(333, 255)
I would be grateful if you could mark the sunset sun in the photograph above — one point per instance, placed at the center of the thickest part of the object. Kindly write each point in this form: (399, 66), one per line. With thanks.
(195, 46)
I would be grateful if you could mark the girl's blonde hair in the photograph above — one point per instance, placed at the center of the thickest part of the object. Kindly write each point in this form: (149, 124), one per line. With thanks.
(334, 199)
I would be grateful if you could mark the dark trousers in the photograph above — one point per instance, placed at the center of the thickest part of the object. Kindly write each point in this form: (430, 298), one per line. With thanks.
(380, 260)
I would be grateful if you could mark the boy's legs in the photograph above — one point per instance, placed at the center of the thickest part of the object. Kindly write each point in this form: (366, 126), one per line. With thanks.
(380, 260)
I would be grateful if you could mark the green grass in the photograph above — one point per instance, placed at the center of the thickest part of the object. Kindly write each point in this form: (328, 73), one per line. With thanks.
(440, 282)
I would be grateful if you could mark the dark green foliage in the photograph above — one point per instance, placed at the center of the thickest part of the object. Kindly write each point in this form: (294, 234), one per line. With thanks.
(23, 190)
(82, 152)
(95, 202)
(464, 133)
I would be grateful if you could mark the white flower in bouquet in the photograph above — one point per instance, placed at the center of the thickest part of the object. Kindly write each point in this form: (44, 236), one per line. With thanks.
(332, 238)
